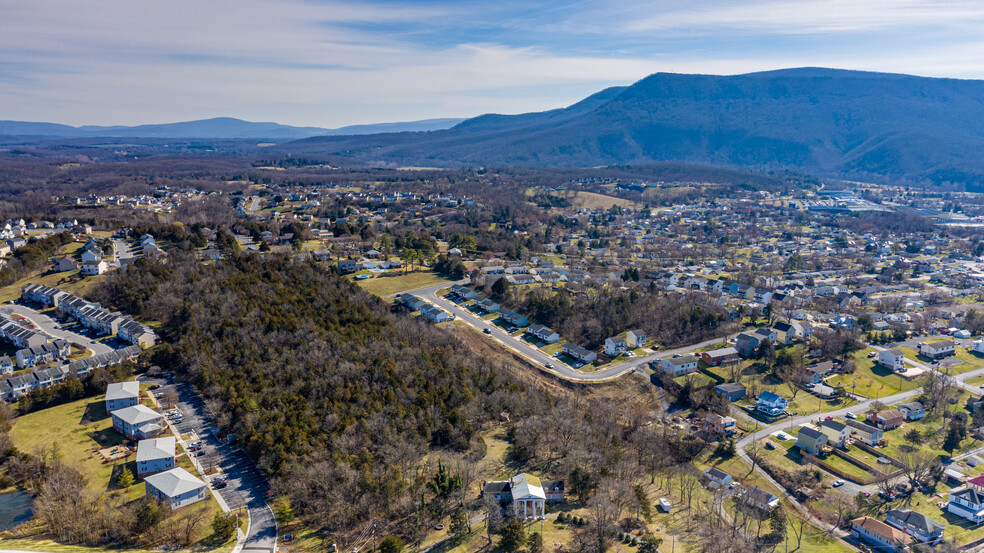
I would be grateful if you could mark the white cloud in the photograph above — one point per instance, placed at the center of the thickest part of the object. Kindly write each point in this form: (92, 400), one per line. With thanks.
(335, 63)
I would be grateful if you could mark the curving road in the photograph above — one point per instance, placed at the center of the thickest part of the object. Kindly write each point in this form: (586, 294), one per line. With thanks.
(533, 354)
(47, 325)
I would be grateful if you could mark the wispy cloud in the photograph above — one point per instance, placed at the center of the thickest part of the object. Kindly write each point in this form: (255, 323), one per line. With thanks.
(330, 63)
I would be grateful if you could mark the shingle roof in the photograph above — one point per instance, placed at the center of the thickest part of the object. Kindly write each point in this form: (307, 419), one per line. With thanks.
(136, 414)
(174, 482)
(917, 520)
(811, 433)
(122, 390)
(156, 448)
(875, 526)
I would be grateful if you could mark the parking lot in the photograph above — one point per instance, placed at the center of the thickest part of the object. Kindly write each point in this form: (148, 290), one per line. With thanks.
(244, 485)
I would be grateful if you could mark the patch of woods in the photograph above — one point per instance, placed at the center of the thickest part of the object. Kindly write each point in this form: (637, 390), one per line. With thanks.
(668, 319)
(32, 258)
(337, 399)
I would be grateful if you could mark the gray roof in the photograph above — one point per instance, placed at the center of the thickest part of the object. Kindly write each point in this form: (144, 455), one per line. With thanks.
(155, 448)
(136, 414)
(174, 482)
(833, 425)
(811, 433)
(122, 390)
(916, 520)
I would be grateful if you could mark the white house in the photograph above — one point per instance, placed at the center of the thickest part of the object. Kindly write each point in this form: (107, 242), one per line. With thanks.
(978, 346)
(93, 267)
(176, 487)
(679, 365)
(138, 422)
(771, 404)
(528, 498)
(893, 359)
(614, 346)
(543, 333)
(968, 502)
(155, 455)
(717, 477)
(91, 254)
(938, 350)
(122, 394)
(759, 498)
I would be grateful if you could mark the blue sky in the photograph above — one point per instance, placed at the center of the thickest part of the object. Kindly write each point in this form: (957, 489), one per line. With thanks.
(331, 63)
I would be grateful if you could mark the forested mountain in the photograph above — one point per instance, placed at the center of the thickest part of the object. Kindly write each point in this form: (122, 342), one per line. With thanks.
(840, 123)
(310, 371)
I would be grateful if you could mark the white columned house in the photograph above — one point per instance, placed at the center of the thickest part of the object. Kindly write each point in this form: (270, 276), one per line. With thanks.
(528, 498)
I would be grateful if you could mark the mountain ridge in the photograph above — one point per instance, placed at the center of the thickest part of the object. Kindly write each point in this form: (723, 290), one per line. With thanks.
(832, 122)
(214, 128)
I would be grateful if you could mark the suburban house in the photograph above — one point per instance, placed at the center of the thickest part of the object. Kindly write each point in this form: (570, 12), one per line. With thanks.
(435, 314)
(913, 411)
(922, 528)
(6, 364)
(717, 477)
(785, 333)
(122, 394)
(679, 365)
(92, 268)
(720, 425)
(814, 374)
(543, 333)
(978, 346)
(635, 338)
(880, 535)
(176, 487)
(527, 495)
(138, 422)
(837, 432)
(938, 350)
(580, 354)
(66, 263)
(20, 336)
(771, 404)
(893, 359)
(463, 292)
(759, 498)
(888, 419)
(766, 334)
(513, 318)
(487, 305)
(865, 433)
(723, 356)
(811, 440)
(747, 344)
(732, 391)
(155, 455)
(968, 502)
(614, 346)
(91, 253)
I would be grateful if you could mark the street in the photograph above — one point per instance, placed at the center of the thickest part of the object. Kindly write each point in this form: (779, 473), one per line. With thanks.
(533, 354)
(47, 325)
(245, 485)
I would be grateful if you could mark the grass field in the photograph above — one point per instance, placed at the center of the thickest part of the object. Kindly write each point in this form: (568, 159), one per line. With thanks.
(591, 200)
(65, 281)
(397, 281)
(872, 380)
(77, 430)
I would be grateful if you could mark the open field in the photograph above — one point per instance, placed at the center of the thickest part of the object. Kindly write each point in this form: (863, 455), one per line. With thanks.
(872, 380)
(591, 200)
(65, 281)
(397, 281)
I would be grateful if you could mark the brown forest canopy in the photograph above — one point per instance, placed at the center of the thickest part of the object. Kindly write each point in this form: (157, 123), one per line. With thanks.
(303, 364)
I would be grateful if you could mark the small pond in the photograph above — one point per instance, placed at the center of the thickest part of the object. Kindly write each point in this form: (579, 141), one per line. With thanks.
(15, 509)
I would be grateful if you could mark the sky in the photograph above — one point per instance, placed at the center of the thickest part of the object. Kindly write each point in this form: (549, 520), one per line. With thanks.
(331, 63)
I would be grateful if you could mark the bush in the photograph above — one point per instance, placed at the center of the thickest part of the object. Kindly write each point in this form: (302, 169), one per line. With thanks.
(223, 526)
(391, 544)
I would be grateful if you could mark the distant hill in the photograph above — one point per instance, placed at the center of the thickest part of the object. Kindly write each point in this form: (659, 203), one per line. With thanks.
(217, 128)
(831, 122)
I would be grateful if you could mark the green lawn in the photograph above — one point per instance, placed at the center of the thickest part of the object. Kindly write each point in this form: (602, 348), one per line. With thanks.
(872, 380)
(78, 430)
(393, 282)
(969, 361)
(65, 281)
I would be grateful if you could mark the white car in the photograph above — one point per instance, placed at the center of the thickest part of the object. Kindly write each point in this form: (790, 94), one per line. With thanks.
(837, 483)
(850, 415)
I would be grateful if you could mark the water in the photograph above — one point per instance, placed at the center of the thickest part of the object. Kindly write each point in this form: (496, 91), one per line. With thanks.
(15, 509)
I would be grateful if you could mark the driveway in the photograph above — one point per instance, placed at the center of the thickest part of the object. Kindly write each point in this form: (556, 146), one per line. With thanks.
(124, 255)
(245, 484)
(538, 358)
(47, 325)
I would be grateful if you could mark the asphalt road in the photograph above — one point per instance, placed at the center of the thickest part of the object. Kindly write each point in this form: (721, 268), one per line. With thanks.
(245, 485)
(533, 354)
(123, 252)
(47, 325)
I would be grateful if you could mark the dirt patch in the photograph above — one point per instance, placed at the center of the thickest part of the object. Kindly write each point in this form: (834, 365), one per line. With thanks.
(115, 453)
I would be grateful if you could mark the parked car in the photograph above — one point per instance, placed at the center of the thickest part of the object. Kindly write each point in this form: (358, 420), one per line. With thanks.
(487, 330)
(154, 386)
(549, 365)
(837, 483)
(218, 485)
(850, 415)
